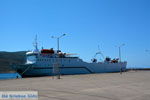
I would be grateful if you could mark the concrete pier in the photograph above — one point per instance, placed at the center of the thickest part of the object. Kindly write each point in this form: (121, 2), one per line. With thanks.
(132, 85)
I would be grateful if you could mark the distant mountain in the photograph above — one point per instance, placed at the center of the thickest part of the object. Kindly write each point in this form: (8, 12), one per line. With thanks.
(8, 58)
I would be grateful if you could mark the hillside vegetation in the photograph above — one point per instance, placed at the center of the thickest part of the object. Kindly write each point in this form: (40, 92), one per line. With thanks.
(8, 58)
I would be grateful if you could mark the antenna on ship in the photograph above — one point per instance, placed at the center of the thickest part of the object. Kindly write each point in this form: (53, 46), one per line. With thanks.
(35, 44)
(99, 52)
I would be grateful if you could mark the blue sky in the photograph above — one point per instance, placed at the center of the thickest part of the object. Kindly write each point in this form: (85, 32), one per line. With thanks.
(87, 23)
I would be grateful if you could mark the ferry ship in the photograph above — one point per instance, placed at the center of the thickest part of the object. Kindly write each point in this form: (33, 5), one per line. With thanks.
(50, 62)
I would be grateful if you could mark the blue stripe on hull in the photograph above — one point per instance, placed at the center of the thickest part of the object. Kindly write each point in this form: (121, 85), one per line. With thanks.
(42, 71)
(63, 70)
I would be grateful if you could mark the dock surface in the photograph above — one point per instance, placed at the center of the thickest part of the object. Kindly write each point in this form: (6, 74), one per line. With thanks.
(132, 85)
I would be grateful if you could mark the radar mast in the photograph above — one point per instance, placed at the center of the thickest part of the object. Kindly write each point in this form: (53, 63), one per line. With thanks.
(35, 44)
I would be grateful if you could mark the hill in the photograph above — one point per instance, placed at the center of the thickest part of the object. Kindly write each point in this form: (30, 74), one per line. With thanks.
(7, 58)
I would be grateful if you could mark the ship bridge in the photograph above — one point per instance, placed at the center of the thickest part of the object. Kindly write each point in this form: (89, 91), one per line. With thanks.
(31, 57)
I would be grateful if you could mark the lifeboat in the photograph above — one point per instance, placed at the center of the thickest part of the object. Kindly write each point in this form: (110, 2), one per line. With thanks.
(47, 51)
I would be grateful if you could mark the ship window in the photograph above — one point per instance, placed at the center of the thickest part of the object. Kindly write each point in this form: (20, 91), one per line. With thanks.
(31, 59)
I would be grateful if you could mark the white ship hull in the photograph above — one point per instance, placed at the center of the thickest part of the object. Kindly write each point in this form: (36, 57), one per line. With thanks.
(68, 66)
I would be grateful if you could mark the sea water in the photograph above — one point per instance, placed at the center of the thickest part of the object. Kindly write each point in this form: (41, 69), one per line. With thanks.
(9, 76)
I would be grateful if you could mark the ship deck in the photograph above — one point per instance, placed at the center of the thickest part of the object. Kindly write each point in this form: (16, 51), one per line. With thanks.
(131, 85)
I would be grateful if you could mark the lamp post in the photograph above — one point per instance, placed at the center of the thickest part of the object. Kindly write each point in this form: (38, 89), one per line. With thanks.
(58, 40)
(57, 64)
(120, 51)
(119, 47)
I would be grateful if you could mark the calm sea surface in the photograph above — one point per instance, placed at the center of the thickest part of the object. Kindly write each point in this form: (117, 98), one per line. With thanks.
(9, 76)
